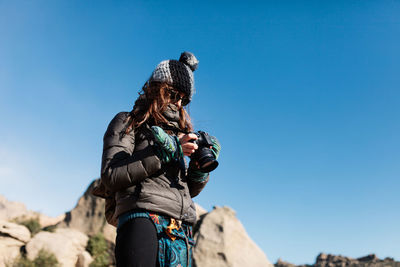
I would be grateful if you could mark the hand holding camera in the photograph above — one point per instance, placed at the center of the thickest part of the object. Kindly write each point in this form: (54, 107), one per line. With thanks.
(202, 148)
(188, 146)
(205, 157)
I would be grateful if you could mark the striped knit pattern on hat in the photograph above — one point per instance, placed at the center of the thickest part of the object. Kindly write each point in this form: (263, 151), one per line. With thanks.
(179, 74)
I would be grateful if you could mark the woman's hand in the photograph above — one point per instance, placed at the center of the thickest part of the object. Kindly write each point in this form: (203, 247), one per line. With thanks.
(186, 140)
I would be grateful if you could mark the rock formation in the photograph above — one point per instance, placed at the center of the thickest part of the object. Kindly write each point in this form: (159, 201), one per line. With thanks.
(88, 216)
(221, 238)
(15, 231)
(222, 241)
(329, 260)
(66, 244)
(10, 210)
(12, 238)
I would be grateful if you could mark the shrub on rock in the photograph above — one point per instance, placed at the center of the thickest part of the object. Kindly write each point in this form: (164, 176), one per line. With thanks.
(43, 259)
(97, 247)
(32, 224)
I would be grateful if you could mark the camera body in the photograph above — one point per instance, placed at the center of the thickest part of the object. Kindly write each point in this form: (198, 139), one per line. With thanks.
(203, 155)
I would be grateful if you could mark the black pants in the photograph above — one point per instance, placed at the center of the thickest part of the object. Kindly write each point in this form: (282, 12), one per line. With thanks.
(137, 244)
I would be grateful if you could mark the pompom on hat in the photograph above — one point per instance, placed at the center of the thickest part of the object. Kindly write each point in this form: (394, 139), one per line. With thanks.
(178, 73)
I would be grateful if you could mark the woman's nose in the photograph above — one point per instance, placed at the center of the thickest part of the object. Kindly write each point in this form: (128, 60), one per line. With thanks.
(179, 103)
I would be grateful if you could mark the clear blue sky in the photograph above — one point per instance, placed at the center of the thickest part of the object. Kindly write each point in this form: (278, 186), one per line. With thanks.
(303, 95)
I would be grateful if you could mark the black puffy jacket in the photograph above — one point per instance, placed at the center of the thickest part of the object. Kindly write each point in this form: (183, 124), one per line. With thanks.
(131, 169)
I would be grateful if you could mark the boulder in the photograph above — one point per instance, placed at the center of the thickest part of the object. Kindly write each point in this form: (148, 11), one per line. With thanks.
(9, 250)
(222, 241)
(65, 244)
(10, 210)
(281, 263)
(88, 216)
(330, 260)
(45, 220)
(200, 211)
(368, 258)
(15, 231)
(84, 259)
(110, 233)
(12, 238)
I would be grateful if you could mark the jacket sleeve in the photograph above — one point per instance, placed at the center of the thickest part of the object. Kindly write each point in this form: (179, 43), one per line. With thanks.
(124, 165)
(196, 180)
(195, 185)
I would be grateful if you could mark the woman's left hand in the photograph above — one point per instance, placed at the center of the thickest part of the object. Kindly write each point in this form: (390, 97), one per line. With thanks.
(186, 140)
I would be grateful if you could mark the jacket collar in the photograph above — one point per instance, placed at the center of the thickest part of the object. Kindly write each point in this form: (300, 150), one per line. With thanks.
(171, 113)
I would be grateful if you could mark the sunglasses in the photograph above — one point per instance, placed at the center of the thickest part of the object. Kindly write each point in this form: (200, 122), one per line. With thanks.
(175, 96)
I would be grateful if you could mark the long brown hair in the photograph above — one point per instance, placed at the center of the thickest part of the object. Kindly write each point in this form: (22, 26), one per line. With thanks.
(151, 103)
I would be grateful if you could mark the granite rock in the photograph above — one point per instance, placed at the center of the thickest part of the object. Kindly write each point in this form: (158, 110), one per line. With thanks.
(222, 241)
(65, 244)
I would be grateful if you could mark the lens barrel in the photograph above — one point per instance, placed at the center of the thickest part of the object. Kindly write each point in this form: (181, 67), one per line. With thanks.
(203, 154)
(206, 160)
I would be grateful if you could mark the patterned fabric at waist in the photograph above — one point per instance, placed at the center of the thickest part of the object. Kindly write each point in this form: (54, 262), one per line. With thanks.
(175, 238)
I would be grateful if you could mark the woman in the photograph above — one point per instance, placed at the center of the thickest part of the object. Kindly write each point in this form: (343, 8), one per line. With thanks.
(144, 172)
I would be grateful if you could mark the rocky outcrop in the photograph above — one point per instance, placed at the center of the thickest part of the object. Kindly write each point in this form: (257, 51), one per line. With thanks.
(15, 231)
(222, 241)
(200, 211)
(229, 247)
(218, 234)
(12, 238)
(9, 250)
(84, 259)
(66, 244)
(281, 263)
(88, 216)
(329, 260)
(10, 210)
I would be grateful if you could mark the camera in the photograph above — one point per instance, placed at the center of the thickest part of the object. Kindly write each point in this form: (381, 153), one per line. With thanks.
(203, 155)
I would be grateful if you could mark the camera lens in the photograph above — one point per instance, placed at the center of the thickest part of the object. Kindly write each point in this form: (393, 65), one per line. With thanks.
(206, 160)
(203, 154)
(209, 165)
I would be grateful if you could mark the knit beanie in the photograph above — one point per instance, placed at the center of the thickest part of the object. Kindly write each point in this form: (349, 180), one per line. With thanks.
(178, 73)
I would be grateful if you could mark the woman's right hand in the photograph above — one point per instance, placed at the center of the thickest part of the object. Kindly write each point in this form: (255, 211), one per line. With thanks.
(186, 140)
